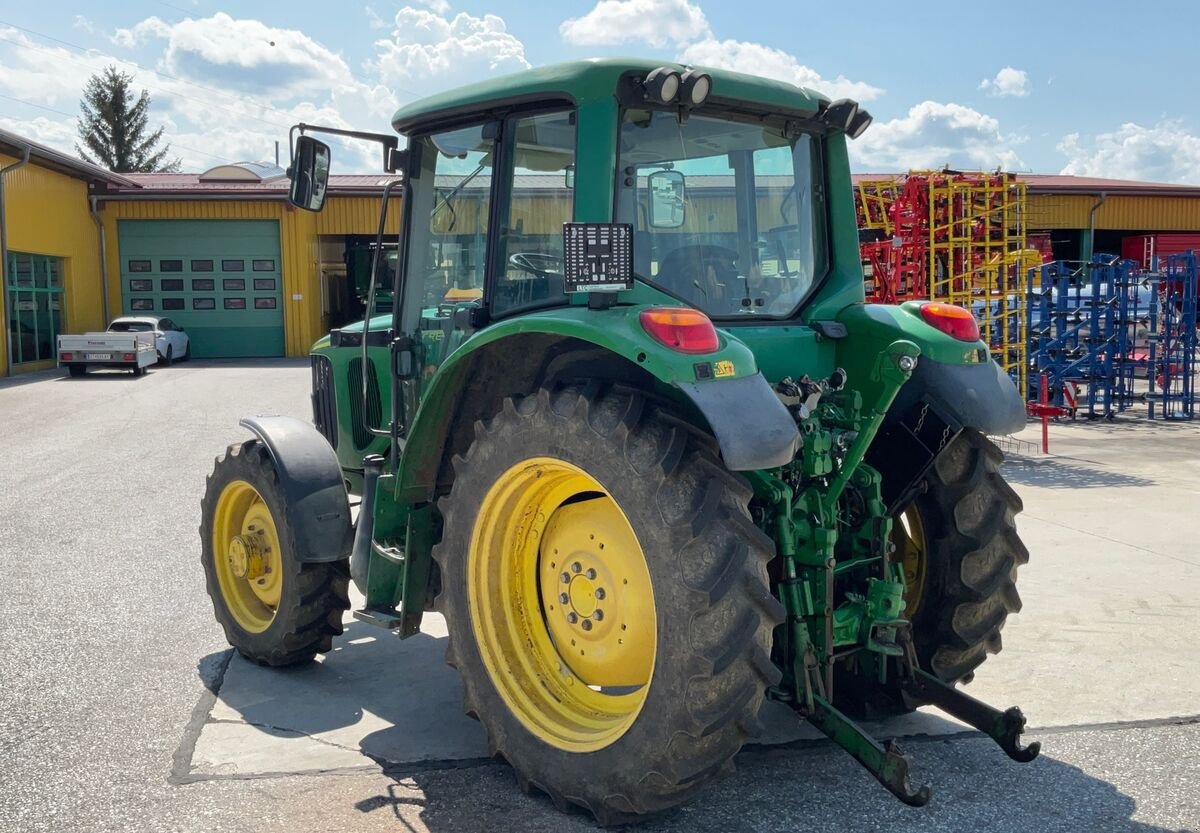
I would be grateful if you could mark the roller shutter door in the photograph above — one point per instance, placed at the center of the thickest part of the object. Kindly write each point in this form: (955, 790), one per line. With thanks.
(219, 279)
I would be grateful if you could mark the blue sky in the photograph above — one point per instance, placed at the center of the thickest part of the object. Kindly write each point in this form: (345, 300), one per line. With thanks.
(1092, 88)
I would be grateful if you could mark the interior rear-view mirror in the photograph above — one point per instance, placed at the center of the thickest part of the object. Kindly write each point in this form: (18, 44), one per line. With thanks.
(309, 173)
(667, 190)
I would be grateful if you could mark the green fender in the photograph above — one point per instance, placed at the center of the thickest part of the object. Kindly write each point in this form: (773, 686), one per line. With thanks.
(751, 425)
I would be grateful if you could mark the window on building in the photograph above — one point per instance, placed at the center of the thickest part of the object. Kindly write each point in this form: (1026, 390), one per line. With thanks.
(263, 265)
(264, 303)
(170, 266)
(172, 303)
(233, 284)
(203, 285)
(141, 266)
(233, 266)
(235, 303)
(264, 283)
(33, 284)
(202, 265)
(172, 284)
(204, 303)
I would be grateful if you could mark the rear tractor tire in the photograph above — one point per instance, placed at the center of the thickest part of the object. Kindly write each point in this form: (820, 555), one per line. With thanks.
(275, 610)
(607, 601)
(959, 547)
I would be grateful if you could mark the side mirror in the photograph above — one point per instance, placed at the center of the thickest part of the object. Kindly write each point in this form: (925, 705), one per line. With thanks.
(667, 190)
(309, 174)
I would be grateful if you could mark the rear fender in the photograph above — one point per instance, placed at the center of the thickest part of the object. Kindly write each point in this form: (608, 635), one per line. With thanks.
(317, 506)
(751, 425)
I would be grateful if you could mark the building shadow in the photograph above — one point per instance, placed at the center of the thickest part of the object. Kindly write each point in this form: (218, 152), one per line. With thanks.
(813, 787)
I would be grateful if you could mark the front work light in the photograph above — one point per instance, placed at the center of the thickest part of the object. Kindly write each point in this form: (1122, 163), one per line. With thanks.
(840, 114)
(683, 329)
(859, 124)
(951, 320)
(696, 87)
(661, 85)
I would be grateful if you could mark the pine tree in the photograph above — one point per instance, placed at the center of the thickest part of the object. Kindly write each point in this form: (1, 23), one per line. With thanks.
(113, 127)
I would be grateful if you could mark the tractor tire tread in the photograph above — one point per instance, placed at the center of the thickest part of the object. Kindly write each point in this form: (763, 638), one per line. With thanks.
(319, 592)
(722, 666)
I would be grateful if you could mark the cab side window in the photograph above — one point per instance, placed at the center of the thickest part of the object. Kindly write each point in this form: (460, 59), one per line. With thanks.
(536, 198)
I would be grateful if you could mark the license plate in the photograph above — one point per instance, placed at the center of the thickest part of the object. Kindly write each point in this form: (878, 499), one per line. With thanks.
(97, 357)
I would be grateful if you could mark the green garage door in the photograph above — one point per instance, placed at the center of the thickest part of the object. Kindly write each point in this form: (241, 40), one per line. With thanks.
(219, 279)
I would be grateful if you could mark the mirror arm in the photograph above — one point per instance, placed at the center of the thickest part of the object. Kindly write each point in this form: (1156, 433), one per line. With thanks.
(391, 143)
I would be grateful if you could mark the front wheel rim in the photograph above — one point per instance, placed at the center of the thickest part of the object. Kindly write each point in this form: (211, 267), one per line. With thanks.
(562, 605)
(246, 556)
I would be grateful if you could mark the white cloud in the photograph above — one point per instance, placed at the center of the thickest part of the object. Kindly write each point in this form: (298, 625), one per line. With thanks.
(242, 53)
(57, 133)
(1163, 153)
(656, 22)
(439, 6)
(442, 52)
(1008, 82)
(757, 59)
(83, 24)
(933, 134)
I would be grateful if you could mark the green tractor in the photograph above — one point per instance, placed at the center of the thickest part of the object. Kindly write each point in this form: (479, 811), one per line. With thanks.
(632, 430)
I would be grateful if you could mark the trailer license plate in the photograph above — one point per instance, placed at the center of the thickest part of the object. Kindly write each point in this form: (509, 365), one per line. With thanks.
(97, 357)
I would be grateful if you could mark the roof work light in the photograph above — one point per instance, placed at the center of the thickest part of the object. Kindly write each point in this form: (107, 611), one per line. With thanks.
(696, 87)
(661, 85)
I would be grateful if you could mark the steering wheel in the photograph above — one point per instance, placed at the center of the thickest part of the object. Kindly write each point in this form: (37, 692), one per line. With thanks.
(539, 264)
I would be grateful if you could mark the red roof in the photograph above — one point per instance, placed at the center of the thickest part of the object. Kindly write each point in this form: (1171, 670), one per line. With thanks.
(179, 183)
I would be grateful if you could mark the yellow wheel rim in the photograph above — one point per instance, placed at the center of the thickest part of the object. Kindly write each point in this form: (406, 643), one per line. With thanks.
(908, 534)
(247, 557)
(562, 605)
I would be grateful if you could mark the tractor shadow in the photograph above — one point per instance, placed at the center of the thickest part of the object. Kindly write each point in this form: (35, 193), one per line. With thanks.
(395, 701)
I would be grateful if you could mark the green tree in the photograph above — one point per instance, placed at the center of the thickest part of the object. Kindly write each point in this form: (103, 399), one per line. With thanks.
(113, 127)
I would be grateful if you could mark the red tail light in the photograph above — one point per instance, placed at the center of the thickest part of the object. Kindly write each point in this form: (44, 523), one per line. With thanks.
(128, 357)
(680, 328)
(66, 357)
(951, 320)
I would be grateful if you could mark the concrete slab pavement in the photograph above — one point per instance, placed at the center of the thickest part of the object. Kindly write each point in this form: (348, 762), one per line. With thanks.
(1106, 635)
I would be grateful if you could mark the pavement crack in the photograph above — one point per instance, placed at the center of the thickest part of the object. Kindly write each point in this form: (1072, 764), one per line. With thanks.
(268, 727)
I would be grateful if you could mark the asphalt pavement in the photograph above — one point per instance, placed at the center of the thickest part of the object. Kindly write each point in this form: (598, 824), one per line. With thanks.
(121, 708)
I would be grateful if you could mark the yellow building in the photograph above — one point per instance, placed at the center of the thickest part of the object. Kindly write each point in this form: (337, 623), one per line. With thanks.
(220, 253)
(49, 251)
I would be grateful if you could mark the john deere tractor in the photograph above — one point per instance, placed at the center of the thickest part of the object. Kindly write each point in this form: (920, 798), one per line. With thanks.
(632, 430)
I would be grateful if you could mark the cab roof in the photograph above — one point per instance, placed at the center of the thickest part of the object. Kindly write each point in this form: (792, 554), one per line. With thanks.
(594, 79)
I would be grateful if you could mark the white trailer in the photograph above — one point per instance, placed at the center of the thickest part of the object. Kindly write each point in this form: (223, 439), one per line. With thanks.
(126, 351)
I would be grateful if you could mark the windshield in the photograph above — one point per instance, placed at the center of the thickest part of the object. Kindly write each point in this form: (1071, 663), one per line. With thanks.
(130, 327)
(726, 213)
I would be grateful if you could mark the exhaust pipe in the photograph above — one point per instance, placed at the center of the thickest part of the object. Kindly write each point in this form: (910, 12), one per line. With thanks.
(364, 530)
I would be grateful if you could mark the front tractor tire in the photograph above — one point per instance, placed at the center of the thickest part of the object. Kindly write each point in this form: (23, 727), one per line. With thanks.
(275, 610)
(606, 597)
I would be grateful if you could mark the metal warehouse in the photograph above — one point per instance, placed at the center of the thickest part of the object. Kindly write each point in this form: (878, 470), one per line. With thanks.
(224, 255)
